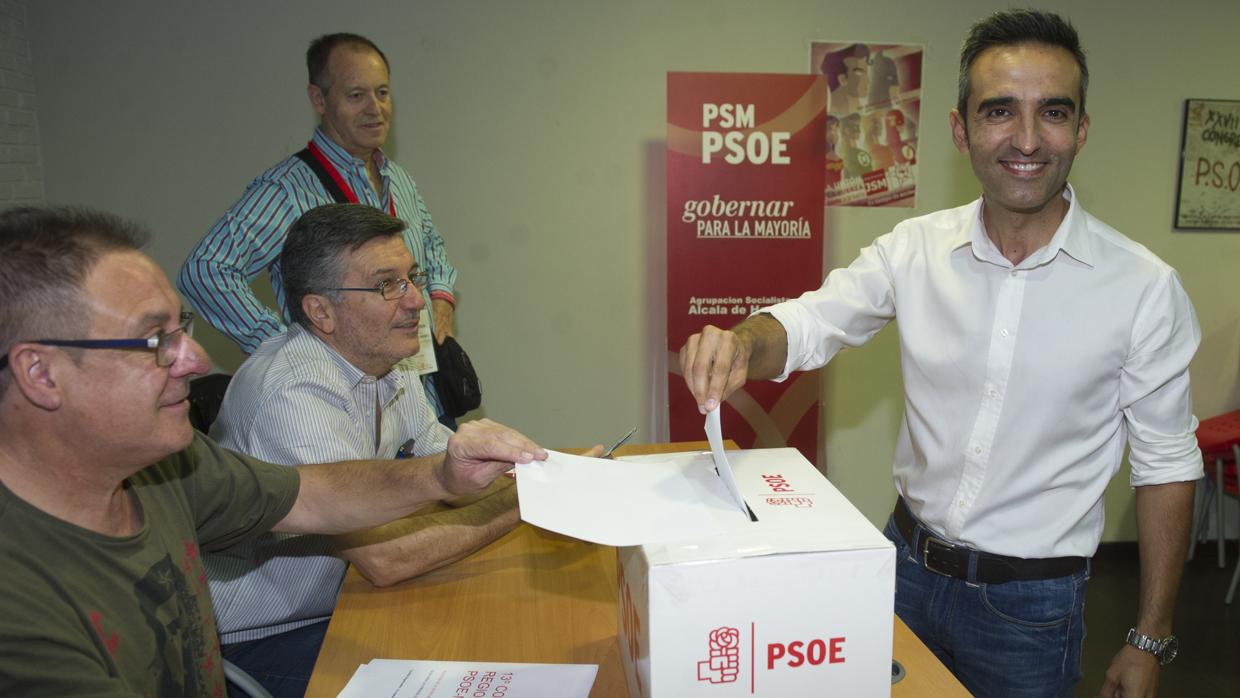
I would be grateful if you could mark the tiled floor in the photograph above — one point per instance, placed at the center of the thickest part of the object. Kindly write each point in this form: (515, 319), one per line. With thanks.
(1209, 631)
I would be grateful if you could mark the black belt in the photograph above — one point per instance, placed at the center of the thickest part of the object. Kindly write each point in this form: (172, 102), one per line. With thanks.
(954, 560)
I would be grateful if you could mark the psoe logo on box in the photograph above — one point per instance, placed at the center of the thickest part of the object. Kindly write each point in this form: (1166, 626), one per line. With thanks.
(777, 483)
(799, 502)
(723, 662)
(800, 653)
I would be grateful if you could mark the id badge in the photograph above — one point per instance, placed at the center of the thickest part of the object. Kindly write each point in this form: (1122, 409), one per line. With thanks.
(424, 361)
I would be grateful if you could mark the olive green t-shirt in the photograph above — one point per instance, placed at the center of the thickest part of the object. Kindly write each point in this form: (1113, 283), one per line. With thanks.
(84, 614)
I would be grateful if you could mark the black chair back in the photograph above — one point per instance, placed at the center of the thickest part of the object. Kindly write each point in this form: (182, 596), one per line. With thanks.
(206, 394)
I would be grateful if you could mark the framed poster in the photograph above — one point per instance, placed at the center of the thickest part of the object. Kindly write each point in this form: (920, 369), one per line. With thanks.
(1208, 195)
(873, 107)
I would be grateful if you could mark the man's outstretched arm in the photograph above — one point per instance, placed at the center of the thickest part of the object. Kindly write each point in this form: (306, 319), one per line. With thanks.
(350, 496)
(405, 548)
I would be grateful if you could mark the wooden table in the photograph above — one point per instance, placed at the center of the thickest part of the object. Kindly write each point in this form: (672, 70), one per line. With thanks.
(531, 596)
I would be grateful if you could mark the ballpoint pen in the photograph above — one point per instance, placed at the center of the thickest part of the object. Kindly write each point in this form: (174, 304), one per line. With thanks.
(405, 450)
(607, 453)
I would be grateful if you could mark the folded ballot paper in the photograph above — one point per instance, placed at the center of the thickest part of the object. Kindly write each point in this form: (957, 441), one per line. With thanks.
(634, 502)
(408, 678)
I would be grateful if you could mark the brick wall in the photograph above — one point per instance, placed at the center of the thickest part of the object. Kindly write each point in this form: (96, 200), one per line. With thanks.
(21, 163)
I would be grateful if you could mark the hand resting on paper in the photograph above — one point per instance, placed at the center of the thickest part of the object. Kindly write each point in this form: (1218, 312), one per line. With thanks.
(479, 451)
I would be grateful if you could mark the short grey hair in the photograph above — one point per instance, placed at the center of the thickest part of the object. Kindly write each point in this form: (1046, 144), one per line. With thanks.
(313, 257)
(46, 254)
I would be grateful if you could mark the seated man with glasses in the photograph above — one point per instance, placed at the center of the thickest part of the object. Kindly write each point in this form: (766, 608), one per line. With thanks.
(326, 389)
(108, 498)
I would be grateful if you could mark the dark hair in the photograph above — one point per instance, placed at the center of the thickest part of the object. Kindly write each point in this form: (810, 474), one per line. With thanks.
(1012, 27)
(313, 256)
(45, 256)
(321, 50)
(833, 66)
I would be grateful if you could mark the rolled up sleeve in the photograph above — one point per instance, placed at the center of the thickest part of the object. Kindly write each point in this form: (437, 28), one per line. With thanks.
(1154, 388)
(850, 307)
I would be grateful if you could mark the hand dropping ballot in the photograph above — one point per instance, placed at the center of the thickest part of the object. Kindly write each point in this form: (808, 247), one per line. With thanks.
(741, 573)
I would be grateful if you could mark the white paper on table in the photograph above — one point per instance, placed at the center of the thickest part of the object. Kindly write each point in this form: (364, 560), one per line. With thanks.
(714, 434)
(411, 678)
(624, 503)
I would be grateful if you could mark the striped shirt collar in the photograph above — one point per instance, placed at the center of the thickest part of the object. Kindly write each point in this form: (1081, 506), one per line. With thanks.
(342, 159)
(390, 385)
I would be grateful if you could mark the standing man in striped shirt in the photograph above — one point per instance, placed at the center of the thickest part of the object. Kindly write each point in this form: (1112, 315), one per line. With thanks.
(350, 91)
(328, 390)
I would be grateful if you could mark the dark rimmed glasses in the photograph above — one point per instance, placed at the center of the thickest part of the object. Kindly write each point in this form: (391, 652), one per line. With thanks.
(165, 345)
(392, 289)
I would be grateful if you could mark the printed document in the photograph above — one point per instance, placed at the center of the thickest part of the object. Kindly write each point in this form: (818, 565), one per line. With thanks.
(409, 678)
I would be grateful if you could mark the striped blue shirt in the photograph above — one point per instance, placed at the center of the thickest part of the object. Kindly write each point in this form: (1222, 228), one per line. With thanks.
(296, 401)
(216, 276)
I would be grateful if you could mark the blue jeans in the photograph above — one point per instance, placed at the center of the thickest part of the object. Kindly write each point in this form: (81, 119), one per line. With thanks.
(1014, 640)
(281, 663)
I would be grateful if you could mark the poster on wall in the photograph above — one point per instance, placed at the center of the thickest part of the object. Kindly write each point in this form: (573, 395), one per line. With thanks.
(745, 170)
(1209, 187)
(873, 108)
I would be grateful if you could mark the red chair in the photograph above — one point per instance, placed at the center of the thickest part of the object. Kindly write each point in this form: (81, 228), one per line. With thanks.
(1219, 439)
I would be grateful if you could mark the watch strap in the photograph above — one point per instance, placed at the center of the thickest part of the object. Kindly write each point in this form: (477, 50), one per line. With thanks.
(1155, 646)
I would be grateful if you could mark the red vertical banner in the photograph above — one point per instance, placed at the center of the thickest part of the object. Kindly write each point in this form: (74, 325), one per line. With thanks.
(745, 175)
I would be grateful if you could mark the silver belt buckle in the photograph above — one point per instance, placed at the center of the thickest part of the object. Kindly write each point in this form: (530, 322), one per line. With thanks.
(925, 553)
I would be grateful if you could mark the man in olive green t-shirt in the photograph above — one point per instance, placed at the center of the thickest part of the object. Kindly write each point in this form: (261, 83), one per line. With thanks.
(95, 610)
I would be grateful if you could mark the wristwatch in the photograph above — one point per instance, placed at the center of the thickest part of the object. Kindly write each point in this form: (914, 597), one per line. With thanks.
(1164, 650)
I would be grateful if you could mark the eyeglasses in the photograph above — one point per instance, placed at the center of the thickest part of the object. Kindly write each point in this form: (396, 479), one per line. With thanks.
(166, 345)
(391, 289)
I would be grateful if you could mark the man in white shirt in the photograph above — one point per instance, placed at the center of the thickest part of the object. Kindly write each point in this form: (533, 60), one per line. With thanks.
(327, 390)
(1036, 342)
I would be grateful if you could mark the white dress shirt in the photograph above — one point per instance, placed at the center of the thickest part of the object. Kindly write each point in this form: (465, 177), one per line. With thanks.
(1022, 383)
(297, 401)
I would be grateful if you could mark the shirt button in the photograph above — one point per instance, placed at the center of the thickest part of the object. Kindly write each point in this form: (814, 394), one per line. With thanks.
(977, 450)
(994, 393)
(1003, 332)
(1013, 272)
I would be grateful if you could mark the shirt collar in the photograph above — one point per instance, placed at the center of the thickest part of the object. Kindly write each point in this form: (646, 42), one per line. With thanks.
(353, 376)
(1074, 231)
(342, 158)
(1071, 238)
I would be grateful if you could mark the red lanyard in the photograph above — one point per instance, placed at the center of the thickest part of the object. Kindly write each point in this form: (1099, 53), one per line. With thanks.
(344, 186)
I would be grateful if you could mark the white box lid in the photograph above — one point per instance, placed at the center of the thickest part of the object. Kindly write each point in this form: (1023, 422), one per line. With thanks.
(798, 510)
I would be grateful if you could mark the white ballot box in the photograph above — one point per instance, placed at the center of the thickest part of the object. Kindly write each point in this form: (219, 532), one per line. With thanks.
(796, 603)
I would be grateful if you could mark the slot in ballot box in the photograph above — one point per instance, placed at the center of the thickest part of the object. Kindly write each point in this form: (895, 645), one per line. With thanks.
(797, 602)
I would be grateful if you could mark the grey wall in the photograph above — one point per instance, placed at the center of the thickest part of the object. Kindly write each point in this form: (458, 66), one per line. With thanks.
(534, 130)
(21, 163)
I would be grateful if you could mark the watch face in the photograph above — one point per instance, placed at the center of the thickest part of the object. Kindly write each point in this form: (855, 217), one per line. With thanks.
(1171, 647)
